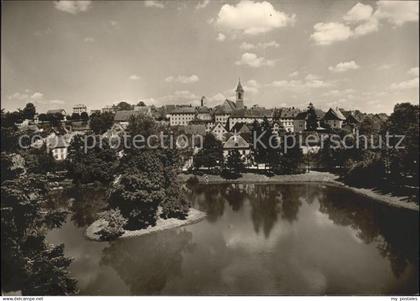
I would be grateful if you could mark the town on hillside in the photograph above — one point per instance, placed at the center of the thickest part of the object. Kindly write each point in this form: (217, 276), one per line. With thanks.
(229, 122)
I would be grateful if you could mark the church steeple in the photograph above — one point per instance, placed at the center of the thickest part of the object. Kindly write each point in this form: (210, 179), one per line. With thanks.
(239, 87)
(239, 96)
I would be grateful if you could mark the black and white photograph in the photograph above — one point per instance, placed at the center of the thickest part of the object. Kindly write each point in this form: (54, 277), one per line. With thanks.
(209, 148)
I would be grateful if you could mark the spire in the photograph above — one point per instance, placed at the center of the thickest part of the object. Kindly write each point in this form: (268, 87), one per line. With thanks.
(239, 87)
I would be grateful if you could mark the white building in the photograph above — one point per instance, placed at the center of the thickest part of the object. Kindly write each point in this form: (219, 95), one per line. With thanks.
(182, 116)
(108, 109)
(80, 108)
(249, 116)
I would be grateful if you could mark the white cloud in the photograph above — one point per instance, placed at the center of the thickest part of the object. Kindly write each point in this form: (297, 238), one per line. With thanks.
(344, 66)
(261, 45)
(221, 37)
(359, 12)
(18, 96)
(385, 67)
(366, 21)
(72, 7)
(369, 26)
(134, 77)
(202, 4)
(57, 101)
(180, 97)
(252, 86)
(328, 33)
(414, 71)
(37, 96)
(310, 81)
(397, 12)
(311, 77)
(336, 93)
(252, 18)
(252, 60)
(218, 97)
(183, 79)
(89, 40)
(294, 74)
(409, 84)
(247, 46)
(153, 3)
(265, 45)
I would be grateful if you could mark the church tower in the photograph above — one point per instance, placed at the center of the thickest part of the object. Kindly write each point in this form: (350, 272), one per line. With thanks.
(239, 96)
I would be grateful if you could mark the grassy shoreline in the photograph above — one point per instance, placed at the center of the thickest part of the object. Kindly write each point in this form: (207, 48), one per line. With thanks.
(324, 178)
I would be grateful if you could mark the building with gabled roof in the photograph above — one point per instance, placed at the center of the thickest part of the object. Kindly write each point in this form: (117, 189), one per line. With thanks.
(334, 118)
(237, 142)
(299, 123)
(223, 111)
(285, 117)
(219, 131)
(123, 117)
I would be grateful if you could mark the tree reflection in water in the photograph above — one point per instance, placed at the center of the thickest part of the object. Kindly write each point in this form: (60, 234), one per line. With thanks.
(235, 196)
(209, 198)
(391, 229)
(259, 239)
(147, 263)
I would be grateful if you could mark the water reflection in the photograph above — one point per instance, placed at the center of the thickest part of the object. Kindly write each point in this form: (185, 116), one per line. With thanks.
(146, 263)
(257, 239)
(391, 230)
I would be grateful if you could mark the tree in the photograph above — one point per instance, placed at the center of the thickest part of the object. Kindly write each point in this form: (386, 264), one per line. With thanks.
(291, 160)
(234, 164)
(30, 263)
(29, 111)
(147, 180)
(39, 160)
(404, 121)
(101, 122)
(55, 119)
(266, 149)
(75, 116)
(139, 190)
(122, 106)
(211, 154)
(84, 116)
(114, 225)
(141, 104)
(312, 119)
(175, 204)
(43, 117)
(95, 164)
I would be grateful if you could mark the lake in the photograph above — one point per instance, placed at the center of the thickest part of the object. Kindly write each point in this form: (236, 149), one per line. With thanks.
(256, 239)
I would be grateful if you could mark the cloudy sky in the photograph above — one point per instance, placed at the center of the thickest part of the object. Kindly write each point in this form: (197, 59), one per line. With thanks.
(359, 55)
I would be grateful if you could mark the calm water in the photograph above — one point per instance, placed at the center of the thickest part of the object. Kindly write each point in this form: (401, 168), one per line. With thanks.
(256, 239)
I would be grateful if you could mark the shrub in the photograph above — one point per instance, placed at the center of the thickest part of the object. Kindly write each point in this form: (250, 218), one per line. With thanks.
(229, 174)
(114, 225)
(198, 173)
(367, 173)
(192, 181)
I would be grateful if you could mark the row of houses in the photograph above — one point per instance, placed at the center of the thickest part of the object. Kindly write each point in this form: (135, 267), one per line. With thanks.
(230, 122)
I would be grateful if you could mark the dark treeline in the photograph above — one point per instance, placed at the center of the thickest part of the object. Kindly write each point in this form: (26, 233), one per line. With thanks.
(29, 263)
